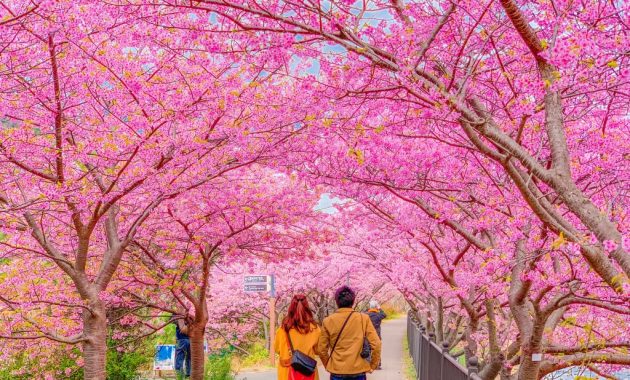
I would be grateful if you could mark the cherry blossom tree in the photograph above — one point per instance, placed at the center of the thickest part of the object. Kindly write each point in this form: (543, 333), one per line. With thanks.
(512, 79)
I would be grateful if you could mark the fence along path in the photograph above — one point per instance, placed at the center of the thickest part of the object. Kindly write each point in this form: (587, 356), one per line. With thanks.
(433, 362)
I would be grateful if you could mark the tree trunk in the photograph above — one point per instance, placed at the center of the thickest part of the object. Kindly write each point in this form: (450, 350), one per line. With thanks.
(529, 369)
(95, 348)
(471, 345)
(506, 374)
(197, 355)
(494, 364)
(197, 334)
(266, 333)
(439, 323)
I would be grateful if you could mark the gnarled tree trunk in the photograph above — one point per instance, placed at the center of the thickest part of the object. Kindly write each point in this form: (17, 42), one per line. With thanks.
(197, 355)
(197, 333)
(494, 364)
(95, 347)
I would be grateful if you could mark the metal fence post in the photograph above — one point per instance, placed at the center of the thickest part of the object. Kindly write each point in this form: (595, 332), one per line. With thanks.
(445, 347)
(410, 335)
(444, 353)
(473, 366)
(426, 348)
(419, 348)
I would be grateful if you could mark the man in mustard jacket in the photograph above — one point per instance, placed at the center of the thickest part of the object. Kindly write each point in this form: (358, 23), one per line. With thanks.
(341, 340)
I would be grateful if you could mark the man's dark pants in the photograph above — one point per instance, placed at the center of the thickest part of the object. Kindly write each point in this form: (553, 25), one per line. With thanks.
(345, 377)
(378, 331)
(182, 354)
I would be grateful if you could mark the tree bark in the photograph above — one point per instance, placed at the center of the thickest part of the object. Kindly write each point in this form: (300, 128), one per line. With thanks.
(95, 347)
(529, 369)
(266, 333)
(471, 345)
(197, 355)
(494, 364)
(439, 328)
(197, 333)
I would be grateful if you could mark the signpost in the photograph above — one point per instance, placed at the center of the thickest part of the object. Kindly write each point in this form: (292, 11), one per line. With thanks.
(256, 288)
(261, 284)
(272, 323)
(257, 283)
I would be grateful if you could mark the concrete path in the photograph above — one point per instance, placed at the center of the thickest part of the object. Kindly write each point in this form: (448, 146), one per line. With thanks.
(393, 334)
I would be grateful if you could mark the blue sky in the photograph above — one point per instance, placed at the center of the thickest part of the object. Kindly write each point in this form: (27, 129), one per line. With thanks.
(327, 204)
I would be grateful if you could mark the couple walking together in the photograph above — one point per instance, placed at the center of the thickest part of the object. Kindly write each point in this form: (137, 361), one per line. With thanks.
(339, 342)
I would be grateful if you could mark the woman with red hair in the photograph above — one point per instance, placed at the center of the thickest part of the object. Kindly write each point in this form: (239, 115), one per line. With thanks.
(300, 326)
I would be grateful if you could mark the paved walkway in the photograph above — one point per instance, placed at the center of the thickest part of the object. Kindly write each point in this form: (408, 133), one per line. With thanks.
(393, 334)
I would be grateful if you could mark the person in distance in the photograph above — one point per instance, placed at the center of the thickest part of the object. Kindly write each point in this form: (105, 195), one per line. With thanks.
(376, 315)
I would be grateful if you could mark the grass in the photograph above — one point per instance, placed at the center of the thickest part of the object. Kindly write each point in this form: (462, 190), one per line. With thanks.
(393, 312)
(219, 367)
(394, 315)
(409, 371)
(258, 358)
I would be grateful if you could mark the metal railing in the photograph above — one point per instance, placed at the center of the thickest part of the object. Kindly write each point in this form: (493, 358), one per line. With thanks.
(433, 362)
